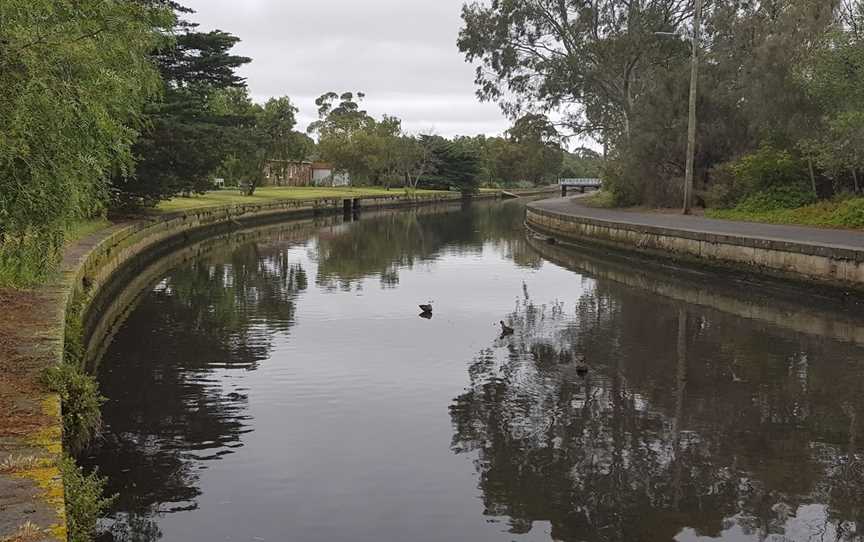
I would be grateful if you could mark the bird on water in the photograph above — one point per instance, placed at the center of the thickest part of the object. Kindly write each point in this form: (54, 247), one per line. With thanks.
(581, 367)
(426, 308)
(505, 329)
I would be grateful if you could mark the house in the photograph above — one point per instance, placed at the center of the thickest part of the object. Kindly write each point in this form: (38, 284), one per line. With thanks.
(302, 173)
(324, 175)
(287, 173)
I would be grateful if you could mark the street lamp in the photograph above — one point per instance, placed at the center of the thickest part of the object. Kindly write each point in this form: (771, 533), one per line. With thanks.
(691, 127)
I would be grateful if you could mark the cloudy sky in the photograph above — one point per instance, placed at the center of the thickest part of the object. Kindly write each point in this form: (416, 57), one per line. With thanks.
(401, 53)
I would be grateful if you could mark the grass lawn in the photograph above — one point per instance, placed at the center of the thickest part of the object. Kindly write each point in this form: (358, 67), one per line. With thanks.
(230, 196)
(837, 213)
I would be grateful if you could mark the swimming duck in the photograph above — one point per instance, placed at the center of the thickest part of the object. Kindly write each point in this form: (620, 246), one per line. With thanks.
(426, 308)
(505, 329)
(581, 367)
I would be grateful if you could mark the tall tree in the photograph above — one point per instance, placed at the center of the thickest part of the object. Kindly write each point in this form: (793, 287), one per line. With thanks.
(592, 55)
(185, 142)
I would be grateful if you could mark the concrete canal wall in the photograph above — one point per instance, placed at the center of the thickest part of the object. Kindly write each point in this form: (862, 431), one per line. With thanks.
(57, 319)
(805, 262)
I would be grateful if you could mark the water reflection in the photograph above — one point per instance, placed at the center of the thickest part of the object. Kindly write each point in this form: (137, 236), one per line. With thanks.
(401, 241)
(691, 425)
(173, 406)
(279, 385)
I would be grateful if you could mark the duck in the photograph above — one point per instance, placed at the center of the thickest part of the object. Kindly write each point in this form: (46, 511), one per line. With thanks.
(426, 308)
(581, 367)
(505, 329)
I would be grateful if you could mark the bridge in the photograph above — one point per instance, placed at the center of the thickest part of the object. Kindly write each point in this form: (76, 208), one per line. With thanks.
(581, 184)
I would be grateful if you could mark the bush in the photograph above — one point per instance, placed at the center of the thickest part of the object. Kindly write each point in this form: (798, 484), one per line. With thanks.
(765, 180)
(767, 168)
(85, 501)
(82, 403)
(777, 197)
(623, 187)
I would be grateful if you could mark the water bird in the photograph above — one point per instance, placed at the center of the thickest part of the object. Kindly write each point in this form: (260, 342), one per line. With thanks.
(581, 367)
(505, 329)
(426, 308)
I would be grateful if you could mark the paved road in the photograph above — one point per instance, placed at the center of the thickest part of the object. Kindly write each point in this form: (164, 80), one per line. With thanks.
(846, 239)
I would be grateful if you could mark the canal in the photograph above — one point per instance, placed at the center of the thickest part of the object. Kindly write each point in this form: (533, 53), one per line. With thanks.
(282, 386)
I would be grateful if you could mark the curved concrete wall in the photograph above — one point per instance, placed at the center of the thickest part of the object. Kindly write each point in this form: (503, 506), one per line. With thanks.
(823, 265)
(69, 310)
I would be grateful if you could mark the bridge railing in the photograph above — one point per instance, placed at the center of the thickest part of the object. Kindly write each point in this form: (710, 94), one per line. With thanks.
(587, 182)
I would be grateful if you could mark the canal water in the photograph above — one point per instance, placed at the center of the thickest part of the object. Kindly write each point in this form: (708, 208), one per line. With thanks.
(282, 386)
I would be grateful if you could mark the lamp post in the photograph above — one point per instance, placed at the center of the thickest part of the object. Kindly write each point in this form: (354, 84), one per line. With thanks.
(691, 125)
(691, 128)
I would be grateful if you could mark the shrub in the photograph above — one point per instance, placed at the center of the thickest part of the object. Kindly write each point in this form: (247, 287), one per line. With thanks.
(82, 403)
(764, 180)
(777, 197)
(85, 501)
(767, 168)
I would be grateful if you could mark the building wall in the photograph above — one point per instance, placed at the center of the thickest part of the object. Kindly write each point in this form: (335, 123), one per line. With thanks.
(287, 173)
(323, 175)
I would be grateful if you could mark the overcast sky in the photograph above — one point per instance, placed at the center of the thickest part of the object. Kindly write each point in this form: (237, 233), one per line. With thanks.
(401, 53)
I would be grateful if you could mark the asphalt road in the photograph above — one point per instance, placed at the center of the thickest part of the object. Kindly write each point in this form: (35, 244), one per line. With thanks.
(847, 239)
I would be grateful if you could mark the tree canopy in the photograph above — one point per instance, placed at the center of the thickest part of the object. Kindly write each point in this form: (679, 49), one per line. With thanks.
(75, 77)
(784, 73)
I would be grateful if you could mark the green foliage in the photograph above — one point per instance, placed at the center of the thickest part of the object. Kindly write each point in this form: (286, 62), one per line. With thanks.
(85, 500)
(766, 180)
(777, 197)
(787, 72)
(603, 199)
(82, 402)
(583, 163)
(371, 151)
(260, 135)
(839, 212)
(75, 76)
(456, 165)
(186, 140)
(768, 168)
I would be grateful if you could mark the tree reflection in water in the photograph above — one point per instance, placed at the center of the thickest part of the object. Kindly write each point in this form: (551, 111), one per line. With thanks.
(675, 432)
(178, 409)
(399, 241)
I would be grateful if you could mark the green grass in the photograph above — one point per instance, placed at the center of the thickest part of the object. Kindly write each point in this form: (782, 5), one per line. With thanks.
(230, 196)
(836, 213)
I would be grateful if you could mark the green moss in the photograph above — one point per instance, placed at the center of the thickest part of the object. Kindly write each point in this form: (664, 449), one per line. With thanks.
(85, 501)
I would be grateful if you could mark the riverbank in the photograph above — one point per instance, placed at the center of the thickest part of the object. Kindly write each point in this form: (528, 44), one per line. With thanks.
(832, 258)
(41, 326)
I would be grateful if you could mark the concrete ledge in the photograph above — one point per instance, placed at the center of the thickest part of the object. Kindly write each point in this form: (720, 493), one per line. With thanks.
(69, 309)
(832, 266)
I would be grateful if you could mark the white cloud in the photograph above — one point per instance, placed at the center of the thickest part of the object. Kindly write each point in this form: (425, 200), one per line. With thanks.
(401, 53)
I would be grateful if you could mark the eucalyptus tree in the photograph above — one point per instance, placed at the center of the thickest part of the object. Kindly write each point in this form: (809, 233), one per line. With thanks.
(592, 57)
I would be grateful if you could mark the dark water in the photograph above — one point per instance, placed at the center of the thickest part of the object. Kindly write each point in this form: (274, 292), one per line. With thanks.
(283, 388)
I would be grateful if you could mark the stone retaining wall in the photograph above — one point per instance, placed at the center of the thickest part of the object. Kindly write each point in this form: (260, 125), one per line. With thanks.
(69, 309)
(827, 266)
